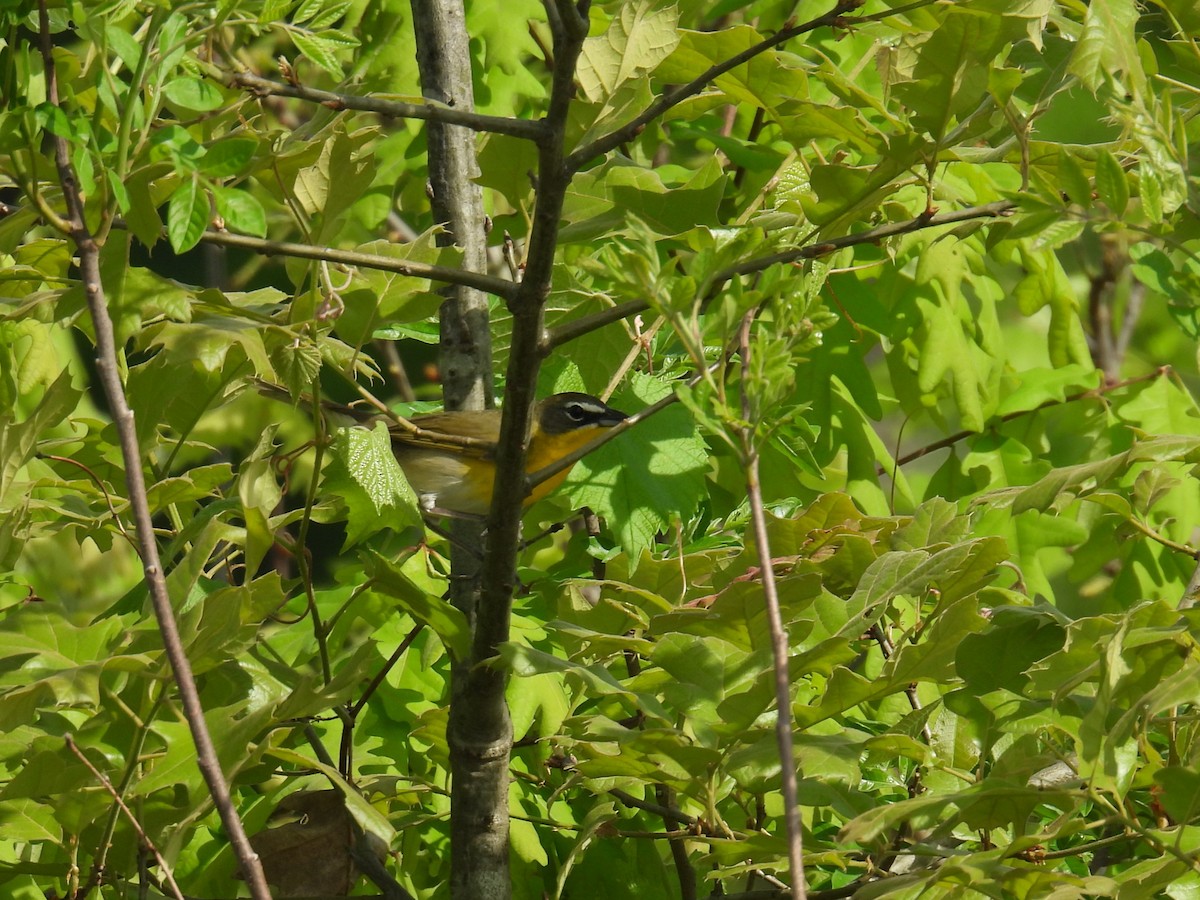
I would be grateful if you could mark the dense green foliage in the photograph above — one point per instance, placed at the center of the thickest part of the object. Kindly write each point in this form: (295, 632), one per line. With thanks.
(962, 622)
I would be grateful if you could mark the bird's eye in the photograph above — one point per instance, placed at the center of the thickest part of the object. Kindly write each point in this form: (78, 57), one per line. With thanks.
(576, 412)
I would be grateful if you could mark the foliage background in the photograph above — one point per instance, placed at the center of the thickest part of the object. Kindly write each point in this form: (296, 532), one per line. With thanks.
(960, 620)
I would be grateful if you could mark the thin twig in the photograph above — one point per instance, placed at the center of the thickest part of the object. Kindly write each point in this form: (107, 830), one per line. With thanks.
(953, 439)
(133, 765)
(393, 365)
(679, 853)
(104, 490)
(480, 280)
(575, 328)
(1163, 539)
(818, 249)
(666, 813)
(431, 111)
(137, 826)
(779, 639)
(889, 650)
(1129, 321)
(109, 374)
(356, 707)
(1191, 593)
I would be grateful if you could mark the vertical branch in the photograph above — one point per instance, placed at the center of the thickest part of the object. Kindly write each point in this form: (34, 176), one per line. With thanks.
(114, 390)
(480, 732)
(444, 60)
(480, 729)
(779, 641)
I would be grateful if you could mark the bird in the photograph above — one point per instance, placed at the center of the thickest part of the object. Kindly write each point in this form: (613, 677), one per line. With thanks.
(456, 479)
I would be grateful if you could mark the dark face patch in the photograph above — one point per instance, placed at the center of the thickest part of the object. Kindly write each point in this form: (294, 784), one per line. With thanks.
(571, 411)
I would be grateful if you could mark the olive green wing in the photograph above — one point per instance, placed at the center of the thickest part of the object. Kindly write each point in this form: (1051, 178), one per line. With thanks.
(481, 427)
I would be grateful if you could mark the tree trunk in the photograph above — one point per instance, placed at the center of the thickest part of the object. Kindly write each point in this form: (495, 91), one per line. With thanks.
(479, 731)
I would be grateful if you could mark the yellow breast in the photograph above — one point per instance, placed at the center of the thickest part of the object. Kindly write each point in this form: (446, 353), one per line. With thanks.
(545, 449)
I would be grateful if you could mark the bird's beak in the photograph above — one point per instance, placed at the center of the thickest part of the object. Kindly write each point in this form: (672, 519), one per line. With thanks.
(612, 417)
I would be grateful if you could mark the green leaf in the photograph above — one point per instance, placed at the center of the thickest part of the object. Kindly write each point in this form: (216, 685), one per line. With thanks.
(998, 657)
(769, 80)
(368, 818)
(525, 661)
(296, 358)
(640, 36)
(54, 120)
(1074, 182)
(951, 74)
(1100, 473)
(364, 475)
(259, 491)
(124, 45)
(1107, 47)
(447, 622)
(323, 48)
(1038, 386)
(948, 351)
(194, 94)
(19, 440)
(241, 211)
(603, 198)
(642, 481)
(228, 157)
(169, 393)
(142, 218)
(188, 213)
(1111, 183)
(377, 299)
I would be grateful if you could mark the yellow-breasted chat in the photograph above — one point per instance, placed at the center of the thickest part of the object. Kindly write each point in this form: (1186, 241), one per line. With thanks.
(457, 478)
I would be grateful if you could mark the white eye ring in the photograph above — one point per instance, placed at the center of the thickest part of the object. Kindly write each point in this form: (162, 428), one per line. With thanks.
(575, 412)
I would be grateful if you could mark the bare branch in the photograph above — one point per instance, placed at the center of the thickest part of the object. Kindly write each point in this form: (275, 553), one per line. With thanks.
(1191, 593)
(109, 375)
(679, 852)
(479, 732)
(601, 145)
(498, 287)
(576, 328)
(478, 280)
(429, 111)
(456, 200)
